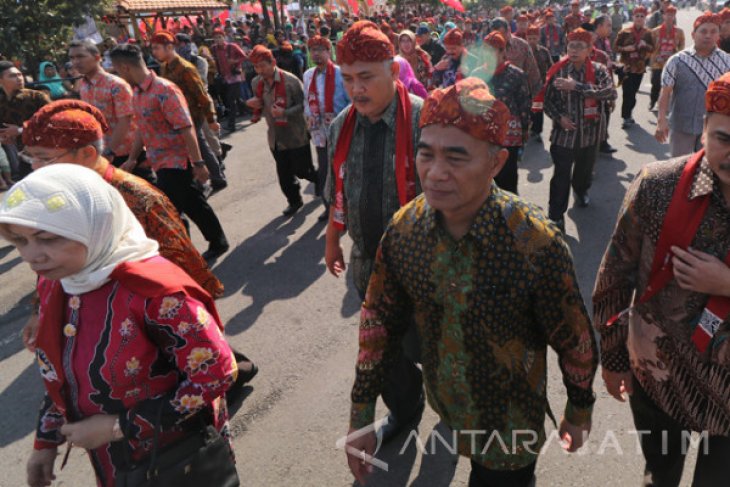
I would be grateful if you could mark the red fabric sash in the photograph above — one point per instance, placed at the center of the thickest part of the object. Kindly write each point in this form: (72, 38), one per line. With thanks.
(679, 228)
(279, 98)
(552, 35)
(150, 278)
(329, 92)
(501, 68)
(667, 43)
(405, 168)
(590, 105)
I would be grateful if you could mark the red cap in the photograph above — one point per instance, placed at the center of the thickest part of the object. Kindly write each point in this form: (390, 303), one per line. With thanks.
(64, 124)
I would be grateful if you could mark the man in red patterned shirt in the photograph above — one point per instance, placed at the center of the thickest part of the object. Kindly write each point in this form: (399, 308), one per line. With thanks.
(167, 131)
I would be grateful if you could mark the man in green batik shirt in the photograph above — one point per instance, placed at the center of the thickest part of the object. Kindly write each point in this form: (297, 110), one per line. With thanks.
(491, 283)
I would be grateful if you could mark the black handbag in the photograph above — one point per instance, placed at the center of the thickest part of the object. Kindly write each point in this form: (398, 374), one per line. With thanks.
(202, 458)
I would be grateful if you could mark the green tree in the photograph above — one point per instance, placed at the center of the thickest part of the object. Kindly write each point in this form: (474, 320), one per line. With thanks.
(35, 30)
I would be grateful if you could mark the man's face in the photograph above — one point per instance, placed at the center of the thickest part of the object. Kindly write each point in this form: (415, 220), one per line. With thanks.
(320, 55)
(575, 9)
(533, 39)
(83, 61)
(550, 20)
(12, 80)
(716, 138)
(639, 20)
(603, 30)
(264, 69)
(522, 26)
(663, 6)
(49, 255)
(219, 39)
(163, 53)
(669, 18)
(577, 51)
(422, 39)
(370, 86)
(706, 36)
(455, 168)
(725, 28)
(454, 52)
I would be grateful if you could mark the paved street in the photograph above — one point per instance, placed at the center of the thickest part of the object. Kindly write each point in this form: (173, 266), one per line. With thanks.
(299, 324)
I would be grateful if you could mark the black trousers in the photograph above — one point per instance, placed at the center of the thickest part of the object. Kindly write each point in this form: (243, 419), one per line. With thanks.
(403, 386)
(178, 185)
(630, 86)
(232, 96)
(665, 448)
(507, 177)
(573, 167)
(656, 85)
(322, 170)
(290, 165)
(538, 119)
(483, 477)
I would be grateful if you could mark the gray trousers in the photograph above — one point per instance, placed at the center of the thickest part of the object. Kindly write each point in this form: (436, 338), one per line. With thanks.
(211, 161)
(682, 143)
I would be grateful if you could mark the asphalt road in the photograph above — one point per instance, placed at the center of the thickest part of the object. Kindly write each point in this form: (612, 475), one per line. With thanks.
(300, 325)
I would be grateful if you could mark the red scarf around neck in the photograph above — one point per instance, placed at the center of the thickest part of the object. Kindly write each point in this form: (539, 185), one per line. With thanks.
(279, 97)
(405, 168)
(329, 92)
(679, 228)
(150, 278)
(590, 105)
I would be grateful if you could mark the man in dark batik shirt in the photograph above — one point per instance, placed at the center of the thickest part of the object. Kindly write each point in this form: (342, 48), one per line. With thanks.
(472, 264)
(17, 104)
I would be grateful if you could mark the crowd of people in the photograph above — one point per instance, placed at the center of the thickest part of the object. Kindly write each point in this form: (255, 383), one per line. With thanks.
(419, 123)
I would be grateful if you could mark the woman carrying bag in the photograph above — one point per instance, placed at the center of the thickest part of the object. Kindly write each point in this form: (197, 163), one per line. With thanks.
(130, 348)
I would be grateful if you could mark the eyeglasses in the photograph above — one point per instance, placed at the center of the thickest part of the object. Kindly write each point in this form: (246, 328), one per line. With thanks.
(40, 161)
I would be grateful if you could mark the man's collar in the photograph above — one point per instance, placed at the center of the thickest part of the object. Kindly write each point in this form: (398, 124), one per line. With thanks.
(704, 181)
(145, 84)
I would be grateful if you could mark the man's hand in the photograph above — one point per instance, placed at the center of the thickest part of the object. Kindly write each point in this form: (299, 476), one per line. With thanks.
(201, 174)
(215, 127)
(442, 65)
(700, 272)
(573, 436)
(565, 84)
(91, 432)
(277, 111)
(662, 130)
(567, 123)
(9, 132)
(334, 257)
(357, 450)
(30, 332)
(129, 165)
(254, 103)
(618, 384)
(40, 467)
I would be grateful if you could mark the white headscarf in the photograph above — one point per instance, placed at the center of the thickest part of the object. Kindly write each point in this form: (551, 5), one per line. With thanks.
(76, 203)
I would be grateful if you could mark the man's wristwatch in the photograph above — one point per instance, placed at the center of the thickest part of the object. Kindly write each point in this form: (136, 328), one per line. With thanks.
(199, 164)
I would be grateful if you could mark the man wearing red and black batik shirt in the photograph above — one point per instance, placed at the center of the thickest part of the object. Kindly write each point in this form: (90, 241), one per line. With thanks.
(662, 301)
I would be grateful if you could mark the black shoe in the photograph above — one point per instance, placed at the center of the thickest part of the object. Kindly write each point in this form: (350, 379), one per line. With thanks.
(607, 148)
(215, 251)
(217, 186)
(583, 200)
(324, 216)
(560, 223)
(235, 392)
(628, 122)
(291, 209)
(651, 106)
(392, 427)
(225, 149)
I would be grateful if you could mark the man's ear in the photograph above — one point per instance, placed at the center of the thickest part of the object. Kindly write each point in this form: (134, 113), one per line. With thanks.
(501, 159)
(395, 69)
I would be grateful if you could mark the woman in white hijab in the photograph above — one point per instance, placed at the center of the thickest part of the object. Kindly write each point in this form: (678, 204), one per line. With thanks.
(124, 336)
